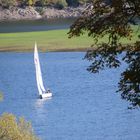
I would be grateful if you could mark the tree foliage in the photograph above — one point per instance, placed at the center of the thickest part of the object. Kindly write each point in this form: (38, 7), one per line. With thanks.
(7, 3)
(113, 18)
(76, 2)
(30, 2)
(1, 96)
(26, 2)
(55, 3)
(41, 3)
(12, 129)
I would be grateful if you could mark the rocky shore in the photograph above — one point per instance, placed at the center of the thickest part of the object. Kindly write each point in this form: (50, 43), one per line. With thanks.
(33, 13)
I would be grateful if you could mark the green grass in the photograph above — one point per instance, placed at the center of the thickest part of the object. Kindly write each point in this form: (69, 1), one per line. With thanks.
(54, 40)
(46, 40)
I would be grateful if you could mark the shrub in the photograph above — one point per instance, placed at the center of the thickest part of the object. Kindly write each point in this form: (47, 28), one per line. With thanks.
(60, 4)
(40, 10)
(13, 129)
(75, 3)
(30, 2)
(41, 3)
(72, 3)
(23, 3)
(8, 3)
(57, 3)
(1, 96)
(83, 1)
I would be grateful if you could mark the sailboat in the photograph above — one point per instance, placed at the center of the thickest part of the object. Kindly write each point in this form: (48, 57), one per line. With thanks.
(42, 92)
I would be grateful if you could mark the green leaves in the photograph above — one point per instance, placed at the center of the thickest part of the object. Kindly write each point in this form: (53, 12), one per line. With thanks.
(1, 96)
(113, 19)
(129, 84)
(7, 3)
(13, 129)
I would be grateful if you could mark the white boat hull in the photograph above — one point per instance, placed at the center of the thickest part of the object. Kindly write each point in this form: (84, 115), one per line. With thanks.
(46, 95)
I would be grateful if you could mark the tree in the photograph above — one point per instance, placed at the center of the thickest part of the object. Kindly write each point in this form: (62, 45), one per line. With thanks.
(7, 3)
(1, 96)
(12, 129)
(115, 19)
(31, 2)
(60, 4)
(41, 2)
(23, 3)
(75, 3)
(57, 3)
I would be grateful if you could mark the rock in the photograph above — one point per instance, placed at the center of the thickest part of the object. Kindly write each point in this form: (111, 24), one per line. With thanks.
(19, 14)
(30, 13)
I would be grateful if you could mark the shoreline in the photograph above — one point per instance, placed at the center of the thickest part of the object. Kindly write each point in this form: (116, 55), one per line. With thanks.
(16, 50)
(52, 41)
(36, 13)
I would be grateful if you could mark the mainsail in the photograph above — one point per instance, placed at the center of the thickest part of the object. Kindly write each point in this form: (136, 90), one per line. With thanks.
(40, 85)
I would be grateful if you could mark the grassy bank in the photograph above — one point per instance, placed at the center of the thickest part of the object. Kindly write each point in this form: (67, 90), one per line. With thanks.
(55, 40)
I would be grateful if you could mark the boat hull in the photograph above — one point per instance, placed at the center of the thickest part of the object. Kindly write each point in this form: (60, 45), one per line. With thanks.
(46, 95)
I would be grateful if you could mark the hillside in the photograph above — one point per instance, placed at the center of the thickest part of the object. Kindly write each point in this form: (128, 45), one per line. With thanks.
(40, 9)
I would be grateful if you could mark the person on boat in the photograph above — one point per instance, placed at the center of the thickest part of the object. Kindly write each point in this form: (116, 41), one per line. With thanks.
(48, 90)
(40, 96)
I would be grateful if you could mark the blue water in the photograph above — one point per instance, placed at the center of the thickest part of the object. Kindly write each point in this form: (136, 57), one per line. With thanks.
(83, 107)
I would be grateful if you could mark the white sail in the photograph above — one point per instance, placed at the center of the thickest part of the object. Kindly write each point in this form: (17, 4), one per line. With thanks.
(42, 92)
(40, 85)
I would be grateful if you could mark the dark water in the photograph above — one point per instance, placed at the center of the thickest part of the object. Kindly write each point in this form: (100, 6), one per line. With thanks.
(37, 25)
(83, 106)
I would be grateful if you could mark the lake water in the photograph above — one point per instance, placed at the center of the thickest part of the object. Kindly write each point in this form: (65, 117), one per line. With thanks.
(83, 107)
(37, 25)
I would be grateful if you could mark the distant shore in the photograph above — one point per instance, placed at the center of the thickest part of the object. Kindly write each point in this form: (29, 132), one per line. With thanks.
(35, 13)
(51, 41)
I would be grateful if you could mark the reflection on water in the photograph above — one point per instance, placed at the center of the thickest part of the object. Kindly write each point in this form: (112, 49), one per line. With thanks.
(83, 106)
(37, 25)
(40, 102)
